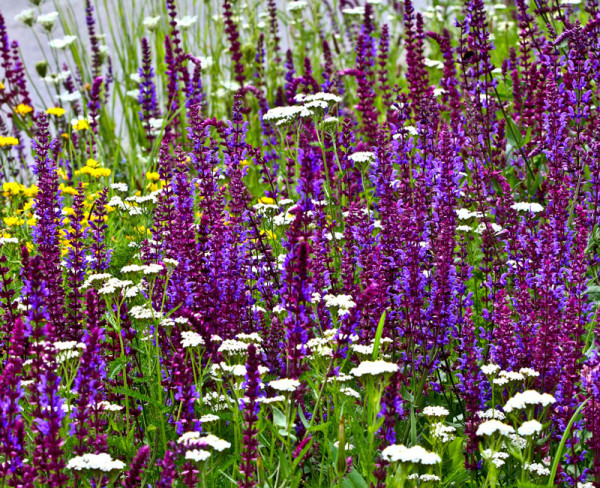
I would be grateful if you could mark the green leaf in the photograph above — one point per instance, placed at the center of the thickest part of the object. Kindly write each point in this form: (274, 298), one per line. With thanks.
(563, 441)
(378, 335)
(279, 419)
(354, 480)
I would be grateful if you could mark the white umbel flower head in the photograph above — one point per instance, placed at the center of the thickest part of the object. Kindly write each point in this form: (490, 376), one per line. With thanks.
(191, 339)
(96, 462)
(530, 427)
(362, 157)
(286, 115)
(530, 397)
(63, 43)
(435, 411)
(285, 384)
(416, 455)
(490, 427)
(490, 369)
(374, 368)
(48, 20)
(151, 23)
(527, 207)
(197, 455)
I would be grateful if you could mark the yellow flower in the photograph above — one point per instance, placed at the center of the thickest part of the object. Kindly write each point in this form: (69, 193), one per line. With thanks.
(28, 205)
(31, 222)
(80, 124)
(11, 188)
(99, 172)
(92, 163)
(1, 86)
(29, 246)
(68, 211)
(152, 176)
(58, 111)
(8, 141)
(69, 190)
(266, 200)
(64, 135)
(12, 221)
(30, 191)
(23, 109)
(245, 162)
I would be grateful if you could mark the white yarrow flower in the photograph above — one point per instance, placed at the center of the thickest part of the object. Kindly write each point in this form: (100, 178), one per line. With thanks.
(374, 368)
(62, 43)
(415, 454)
(97, 462)
(490, 427)
(530, 427)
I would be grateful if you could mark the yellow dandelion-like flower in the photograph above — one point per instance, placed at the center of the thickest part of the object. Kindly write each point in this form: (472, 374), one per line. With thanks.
(152, 176)
(92, 163)
(30, 191)
(245, 162)
(11, 188)
(80, 124)
(8, 141)
(266, 200)
(58, 111)
(23, 109)
(12, 221)
(31, 222)
(69, 190)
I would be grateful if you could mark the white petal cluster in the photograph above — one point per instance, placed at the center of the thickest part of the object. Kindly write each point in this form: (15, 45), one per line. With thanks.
(530, 427)
(435, 411)
(286, 115)
(530, 397)
(496, 458)
(48, 20)
(532, 373)
(352, 393)
(416, 454)
(538, 468)
(285, 384)
(197, 455)
(109, 407)
(444, 433)
(62, 43)
(192, 438)
(491, 413)
(527, 207)
(143, 312)
(232, 346)
(97, 462)
(374, 368)
(26, 17)
(191, 339)
(466, 214)
(296, 6)
(490, 427)
(151, 23)
(209, 417)
(186, 22)
(362, 157)
(318, 97)
(119, 187)
(490, 369)
(252, 337)
(342, 302)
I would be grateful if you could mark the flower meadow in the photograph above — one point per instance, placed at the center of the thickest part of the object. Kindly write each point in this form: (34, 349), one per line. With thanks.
(304, 243)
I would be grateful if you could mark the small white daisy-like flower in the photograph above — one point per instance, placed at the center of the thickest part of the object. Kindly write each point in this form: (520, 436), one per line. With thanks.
(47, 21)
(285, 384)
(151, 23)
(512, 375)
(490, 427)
(500, 381)
(186, 22)
(215, 442)
(435, 411)
(62, 43)
(496, 458)
(415, 455)
(197, 455)
(151, 269)
(529, 428)
(532, 373)
(374, 368)
(26, 17)
(342, 302)
(97, 462)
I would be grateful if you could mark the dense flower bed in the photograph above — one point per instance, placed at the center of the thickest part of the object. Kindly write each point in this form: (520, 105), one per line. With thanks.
(321, 244)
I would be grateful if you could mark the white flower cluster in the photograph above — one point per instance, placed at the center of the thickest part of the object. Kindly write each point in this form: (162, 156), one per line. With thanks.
(424, 478)
(490, 369)
(529, 428)
(350, 392)
(191, 339)
(96, 462)
(537, 468)
(435, 411)
(286, 115)
(490, 427)
(109, 407)
(209, 417)
(119, 187)
(252, 337)
(362, 157)
(444, 433)
(496, 458)
(192, 438)
(8, 240)
(342, 302)
(63, 43)
(48, 20)
(143, 312)
(466, 214)
(232, 346)
(527, 207)
(374, 368)
(491, 413)
(236, 369)
(416, 455)
(273, 399)
(197, 455)
(530, 397)
(285, 384)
